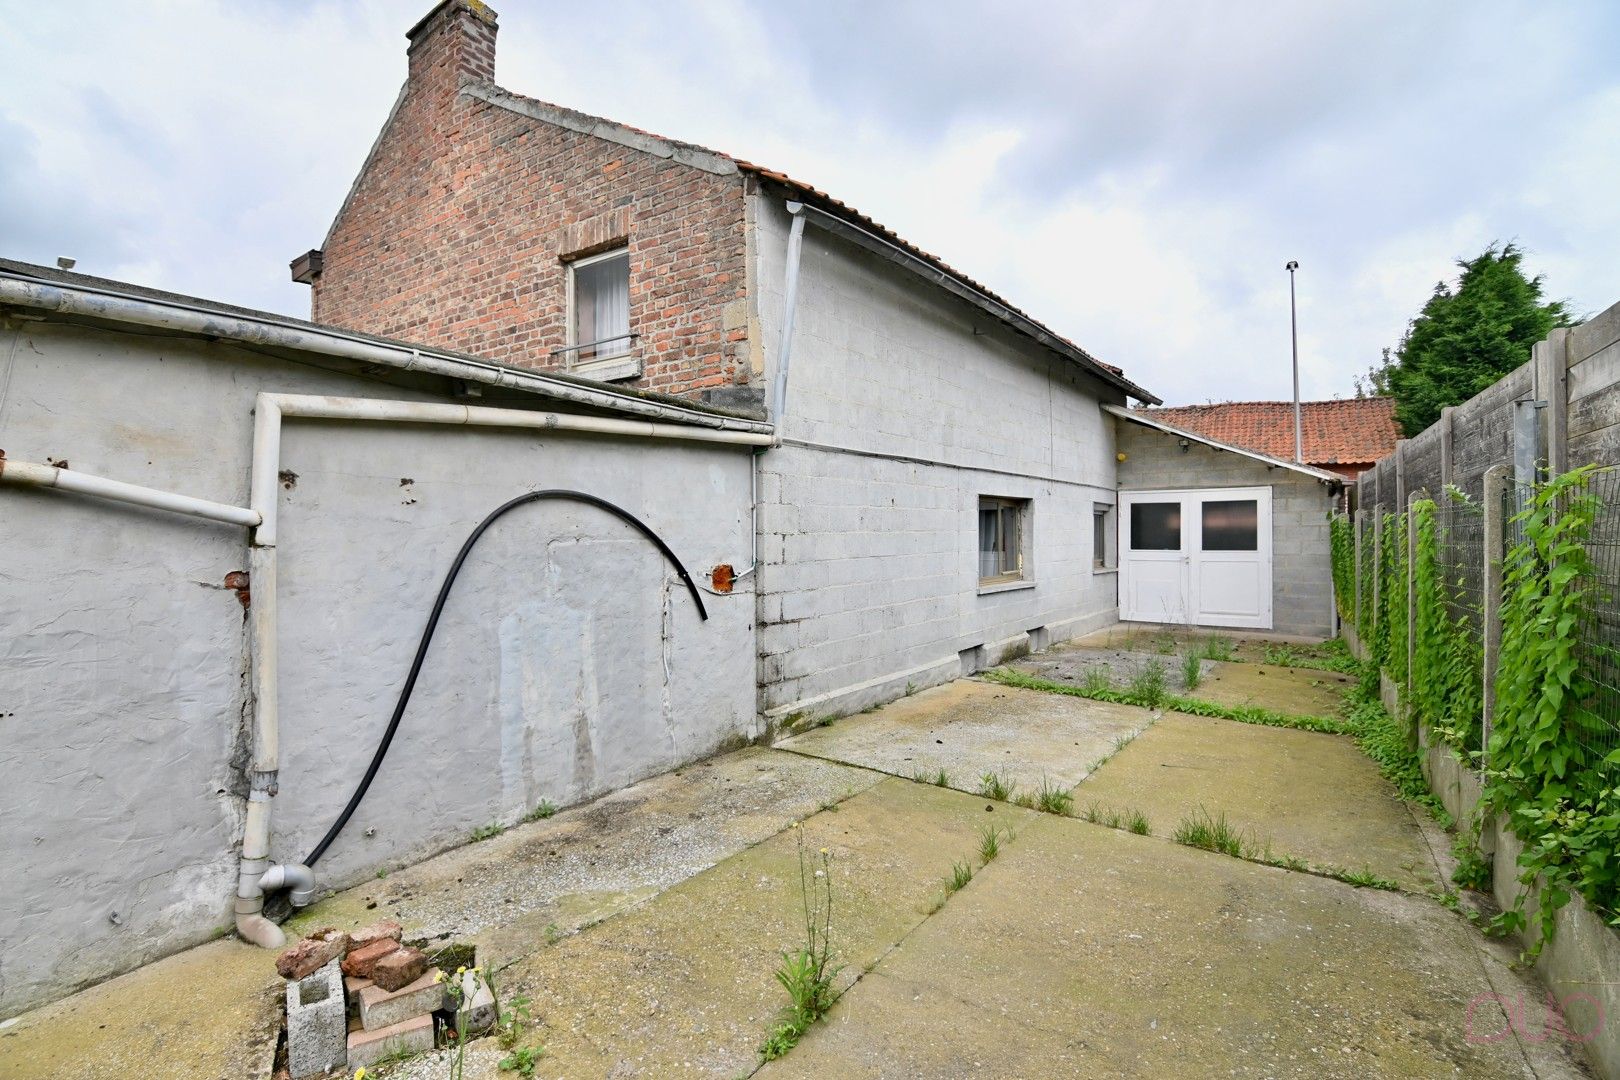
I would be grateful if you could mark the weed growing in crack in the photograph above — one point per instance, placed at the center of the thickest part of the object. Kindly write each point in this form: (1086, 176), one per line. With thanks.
(807, 973)
(1097, 681)
(1148, 685)
(544, 809)
(990, 843)
(1218, 649)
(1050, 798)
(1024, 799)
(1365, 879)
(1137, 822)
(1192, 671)
(1213, 834)
(488, 832)
(942, 779)
(961, 873)
(992, 786)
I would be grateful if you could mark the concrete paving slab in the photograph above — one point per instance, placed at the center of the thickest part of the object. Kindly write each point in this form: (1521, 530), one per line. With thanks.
(684, 986)
(212, 1011)
(1085, 952)
(1309, 795)
(1295, 690)
(968, 728)
(589, 862)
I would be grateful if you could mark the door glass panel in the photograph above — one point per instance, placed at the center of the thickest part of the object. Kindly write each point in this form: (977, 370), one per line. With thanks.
(1232, 525)
(1156, 526)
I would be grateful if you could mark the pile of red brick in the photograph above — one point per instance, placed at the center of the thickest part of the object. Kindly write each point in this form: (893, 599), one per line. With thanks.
(389, 994)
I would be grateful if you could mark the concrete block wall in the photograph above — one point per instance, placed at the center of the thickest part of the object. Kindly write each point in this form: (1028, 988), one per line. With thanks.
(906, 405)
(1302, 576)
(568, 661)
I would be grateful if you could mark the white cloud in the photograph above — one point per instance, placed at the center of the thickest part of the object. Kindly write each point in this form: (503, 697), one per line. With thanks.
(1134, 175)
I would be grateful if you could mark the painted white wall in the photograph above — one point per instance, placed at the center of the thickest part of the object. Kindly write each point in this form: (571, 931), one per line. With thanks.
(870, 577)
(569, 660)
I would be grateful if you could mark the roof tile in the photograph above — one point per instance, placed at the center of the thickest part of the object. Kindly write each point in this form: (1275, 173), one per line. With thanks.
(1355, 431)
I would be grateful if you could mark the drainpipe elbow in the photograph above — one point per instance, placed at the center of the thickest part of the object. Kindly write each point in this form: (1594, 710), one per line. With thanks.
(258, 930)
(295, 876)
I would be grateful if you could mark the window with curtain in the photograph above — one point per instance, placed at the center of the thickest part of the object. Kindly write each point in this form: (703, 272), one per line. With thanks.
(1002, 524)
(601, 298)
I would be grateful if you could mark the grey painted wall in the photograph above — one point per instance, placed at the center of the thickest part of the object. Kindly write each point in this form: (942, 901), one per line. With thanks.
(1302, 580)
(869, 578)
(569, 661)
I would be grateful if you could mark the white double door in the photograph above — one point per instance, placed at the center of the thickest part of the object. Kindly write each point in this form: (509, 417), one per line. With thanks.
(1200, 557)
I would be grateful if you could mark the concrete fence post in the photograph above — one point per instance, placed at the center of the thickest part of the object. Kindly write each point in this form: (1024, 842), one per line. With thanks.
(1411, 591)
(1447, 422)
(1557, 395)
(1496, 489)
(1355, 610)
(1400, 472)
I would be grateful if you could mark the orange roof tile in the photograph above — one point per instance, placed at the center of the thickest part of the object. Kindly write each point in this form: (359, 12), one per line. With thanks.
(1355, 431)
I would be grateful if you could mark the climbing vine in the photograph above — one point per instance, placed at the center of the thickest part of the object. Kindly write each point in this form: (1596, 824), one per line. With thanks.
(1560, 797)
(1342, 547)
(1392, 597)
(1446, 657)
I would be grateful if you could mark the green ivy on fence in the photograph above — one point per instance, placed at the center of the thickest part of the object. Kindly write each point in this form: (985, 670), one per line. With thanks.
(1560, 798)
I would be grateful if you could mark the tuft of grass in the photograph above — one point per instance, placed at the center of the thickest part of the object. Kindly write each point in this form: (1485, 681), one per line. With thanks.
(989, 843)
(1192, 671)
(1166, 644)
(1218, 649)
(1200, 830)
(992, 786)
(1096, 815)
(1281, 656)
(1365, 879)
(1148, 685)
(544, 809)
(961, 873)
(488, 832)
(1137, 822)
(1097, 681)
(942, 779)
(1024, 799)
(1051, 798)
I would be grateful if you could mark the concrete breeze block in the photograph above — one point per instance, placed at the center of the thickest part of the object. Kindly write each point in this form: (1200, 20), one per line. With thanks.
(317, 1022)
(381, 1008)
(366, 1048)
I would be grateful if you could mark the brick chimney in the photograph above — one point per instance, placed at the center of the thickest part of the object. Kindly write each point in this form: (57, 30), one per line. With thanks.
(454, 43)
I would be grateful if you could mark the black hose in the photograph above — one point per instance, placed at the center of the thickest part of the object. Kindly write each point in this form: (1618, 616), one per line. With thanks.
(433, 622)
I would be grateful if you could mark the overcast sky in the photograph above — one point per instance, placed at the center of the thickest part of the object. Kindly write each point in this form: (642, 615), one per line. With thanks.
(1133, 174)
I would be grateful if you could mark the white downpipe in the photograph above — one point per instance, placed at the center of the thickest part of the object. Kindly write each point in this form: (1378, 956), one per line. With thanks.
(790, 304)
(29, 474)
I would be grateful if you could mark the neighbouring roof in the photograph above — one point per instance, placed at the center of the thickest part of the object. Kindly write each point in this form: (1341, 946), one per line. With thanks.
(1356, 431)
(1150, 418)
(82, 296)
(715, 161)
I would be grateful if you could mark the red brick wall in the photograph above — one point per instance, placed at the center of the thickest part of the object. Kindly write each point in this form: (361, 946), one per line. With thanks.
(457, 231)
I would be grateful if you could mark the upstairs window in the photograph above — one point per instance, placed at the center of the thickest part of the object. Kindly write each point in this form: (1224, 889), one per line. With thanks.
(599, 296)
(1003, 524)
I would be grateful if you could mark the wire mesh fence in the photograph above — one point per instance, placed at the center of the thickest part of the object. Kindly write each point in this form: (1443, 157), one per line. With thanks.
(1460, 535)
(1598, 722)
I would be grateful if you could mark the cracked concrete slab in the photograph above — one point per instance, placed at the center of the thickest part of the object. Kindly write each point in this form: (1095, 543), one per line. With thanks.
(1308, 795)
(209, 1012)
(1084, 951)
(969, 728)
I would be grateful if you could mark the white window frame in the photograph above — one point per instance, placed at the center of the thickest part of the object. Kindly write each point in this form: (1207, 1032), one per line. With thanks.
(621, 365)
(1019, 576)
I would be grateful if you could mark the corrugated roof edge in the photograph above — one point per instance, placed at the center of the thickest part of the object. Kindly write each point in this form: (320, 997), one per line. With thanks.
(703, 157)
(555, 385)
(1136, 416)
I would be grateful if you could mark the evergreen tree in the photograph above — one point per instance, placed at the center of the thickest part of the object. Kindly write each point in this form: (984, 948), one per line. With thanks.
(1466, 338)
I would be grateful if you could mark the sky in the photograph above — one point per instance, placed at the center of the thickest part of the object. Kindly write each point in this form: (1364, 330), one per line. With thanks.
(1133, 174)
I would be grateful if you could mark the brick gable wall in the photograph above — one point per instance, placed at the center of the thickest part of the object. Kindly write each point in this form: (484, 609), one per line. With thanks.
(458, 232)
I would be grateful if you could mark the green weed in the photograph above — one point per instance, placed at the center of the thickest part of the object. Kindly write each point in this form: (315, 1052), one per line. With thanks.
(1051, 798)
(807, 973)
(488, 832)
(989, 843)
(543, 810)
(1148, 685)
(961, 873)
(992, 786)
(1137, 822)
(1213, 834)
(1192, 671)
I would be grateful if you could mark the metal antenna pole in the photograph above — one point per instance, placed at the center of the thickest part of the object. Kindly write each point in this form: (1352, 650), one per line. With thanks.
(1293, 327)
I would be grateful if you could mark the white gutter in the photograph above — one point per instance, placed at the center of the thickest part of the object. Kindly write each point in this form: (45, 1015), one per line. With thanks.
(1136, 417)
(269, 331)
